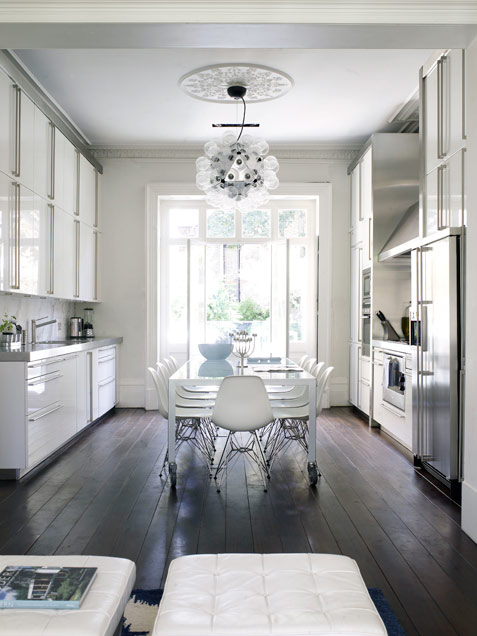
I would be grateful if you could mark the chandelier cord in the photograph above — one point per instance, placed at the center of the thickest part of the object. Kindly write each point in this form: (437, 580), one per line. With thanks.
(243, 118)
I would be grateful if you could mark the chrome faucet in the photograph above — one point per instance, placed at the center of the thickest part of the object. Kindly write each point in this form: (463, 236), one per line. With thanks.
(35, 326)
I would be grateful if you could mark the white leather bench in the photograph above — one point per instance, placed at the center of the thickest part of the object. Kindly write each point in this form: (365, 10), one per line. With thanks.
(272, 594)
(100, 611)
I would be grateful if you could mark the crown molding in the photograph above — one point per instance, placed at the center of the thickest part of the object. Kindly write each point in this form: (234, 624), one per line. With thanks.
(239, 11)
(315, 152)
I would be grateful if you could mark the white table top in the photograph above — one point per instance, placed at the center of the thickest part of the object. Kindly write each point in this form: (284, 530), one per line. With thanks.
(204, 371)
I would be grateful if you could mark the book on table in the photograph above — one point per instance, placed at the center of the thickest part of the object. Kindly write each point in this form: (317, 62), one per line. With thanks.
(44, 587)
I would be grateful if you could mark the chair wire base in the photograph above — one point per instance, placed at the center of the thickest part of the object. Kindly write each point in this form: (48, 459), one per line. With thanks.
(252, 449)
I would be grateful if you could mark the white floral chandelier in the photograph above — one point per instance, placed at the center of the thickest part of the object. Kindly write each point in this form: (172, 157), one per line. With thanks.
(237, 172)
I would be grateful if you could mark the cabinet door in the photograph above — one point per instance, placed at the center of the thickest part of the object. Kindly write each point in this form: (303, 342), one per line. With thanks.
(43, 158)
(432, 199)
(355, 292)
(355, 199)
(7, 124)
(354, 354)
(453, 190)
(59, 168)
(27, 142)
(64, 254)
(454, 99)
(87, 194)
(366, 186)
(431, 119)
(87, 262)
(7, 232)
(70, 177)
(34, 259)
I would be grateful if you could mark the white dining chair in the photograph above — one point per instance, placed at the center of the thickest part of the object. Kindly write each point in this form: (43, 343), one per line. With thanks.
(293, 422)
(302, 360)
(181, 391)
(242, 407)
(188, 422)
(309, 364)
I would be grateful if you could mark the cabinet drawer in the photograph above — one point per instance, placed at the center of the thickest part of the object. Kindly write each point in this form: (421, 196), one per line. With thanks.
(364, 389)
(43, 391)
(378, 356)
(365, 369)
(106, 396)
(46, 432)
(106, 368)
(106, 352)
(44, 367)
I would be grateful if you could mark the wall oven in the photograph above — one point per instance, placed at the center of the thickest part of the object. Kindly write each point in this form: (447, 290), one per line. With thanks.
(366, 312)
(394, 381)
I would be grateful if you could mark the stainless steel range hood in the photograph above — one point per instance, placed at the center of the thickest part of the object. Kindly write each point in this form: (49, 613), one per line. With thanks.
(405, 237)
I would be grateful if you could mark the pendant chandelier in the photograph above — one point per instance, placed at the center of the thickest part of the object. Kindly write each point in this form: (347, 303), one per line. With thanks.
(237, 172)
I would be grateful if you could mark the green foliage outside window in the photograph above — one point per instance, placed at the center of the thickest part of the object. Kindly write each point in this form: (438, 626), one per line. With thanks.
(250, 310)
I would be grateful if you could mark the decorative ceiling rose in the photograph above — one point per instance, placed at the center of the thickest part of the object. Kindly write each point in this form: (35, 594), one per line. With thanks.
(236, 173)
(210, 83)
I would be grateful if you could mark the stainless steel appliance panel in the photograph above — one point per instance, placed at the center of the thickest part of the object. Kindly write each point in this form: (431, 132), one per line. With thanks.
(436, 376)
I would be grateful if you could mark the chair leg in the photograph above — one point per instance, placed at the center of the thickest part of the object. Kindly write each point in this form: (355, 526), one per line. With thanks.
(263, 466)
(222, 465)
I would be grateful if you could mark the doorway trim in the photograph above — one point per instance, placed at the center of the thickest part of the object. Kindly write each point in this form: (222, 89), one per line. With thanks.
(321, 192)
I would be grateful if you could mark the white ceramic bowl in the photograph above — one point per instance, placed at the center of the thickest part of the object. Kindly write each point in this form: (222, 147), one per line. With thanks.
(217, 351)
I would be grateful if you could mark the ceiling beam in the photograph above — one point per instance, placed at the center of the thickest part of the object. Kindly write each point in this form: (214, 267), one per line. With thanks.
(236, 36)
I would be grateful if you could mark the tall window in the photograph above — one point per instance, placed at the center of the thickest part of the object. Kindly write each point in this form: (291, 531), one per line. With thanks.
(222, 271)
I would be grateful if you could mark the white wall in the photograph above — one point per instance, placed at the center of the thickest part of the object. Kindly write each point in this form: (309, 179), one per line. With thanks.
(469, 487)
(123, 310)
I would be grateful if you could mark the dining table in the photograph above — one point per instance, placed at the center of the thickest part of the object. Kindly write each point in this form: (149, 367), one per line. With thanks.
(201, 372)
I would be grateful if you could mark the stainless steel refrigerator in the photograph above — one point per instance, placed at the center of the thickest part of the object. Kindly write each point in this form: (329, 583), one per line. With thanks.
(435, 332)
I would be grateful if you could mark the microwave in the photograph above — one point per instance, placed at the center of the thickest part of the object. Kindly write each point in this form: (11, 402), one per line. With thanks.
(366, 285)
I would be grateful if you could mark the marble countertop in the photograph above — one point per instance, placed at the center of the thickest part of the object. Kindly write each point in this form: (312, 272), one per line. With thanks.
(52, 348)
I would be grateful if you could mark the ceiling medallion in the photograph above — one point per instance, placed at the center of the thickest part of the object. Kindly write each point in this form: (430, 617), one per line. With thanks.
(210, 83)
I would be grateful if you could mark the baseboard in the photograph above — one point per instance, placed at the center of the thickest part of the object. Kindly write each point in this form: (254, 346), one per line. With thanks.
(338, 392)
(469, 510)
(131, 394)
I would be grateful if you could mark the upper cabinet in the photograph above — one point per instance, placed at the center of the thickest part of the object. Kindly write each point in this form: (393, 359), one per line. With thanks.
(87, 193)
(443, 109)
(49, 238)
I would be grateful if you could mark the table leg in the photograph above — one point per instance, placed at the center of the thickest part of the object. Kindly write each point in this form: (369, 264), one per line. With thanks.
(313, 471)
(171, 434)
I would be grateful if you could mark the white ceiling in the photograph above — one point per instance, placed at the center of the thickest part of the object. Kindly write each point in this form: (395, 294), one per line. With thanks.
(131, 96)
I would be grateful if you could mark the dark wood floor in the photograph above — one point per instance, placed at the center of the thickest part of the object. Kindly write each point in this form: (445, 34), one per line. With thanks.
(105, 496)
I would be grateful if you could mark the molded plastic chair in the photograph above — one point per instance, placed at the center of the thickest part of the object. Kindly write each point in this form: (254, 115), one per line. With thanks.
(242, 406)
(302, 360)
(188, 422)
(293, 424)
(309, 364)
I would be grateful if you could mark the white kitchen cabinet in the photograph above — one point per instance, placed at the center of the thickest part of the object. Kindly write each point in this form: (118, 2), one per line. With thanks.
(88, 263)
(354, 356)
(27, 142)
(7, 124)
(364, 396)
(43, 132)
(444, 118)
(355, 199)
(105, 381)
(33, 251)
(355, 291)
(66, 169)
(444, 201)
(64, 247)
(87, 193)
(7, 228)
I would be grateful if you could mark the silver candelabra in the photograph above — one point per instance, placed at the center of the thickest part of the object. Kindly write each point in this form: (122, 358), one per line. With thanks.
(244, 344)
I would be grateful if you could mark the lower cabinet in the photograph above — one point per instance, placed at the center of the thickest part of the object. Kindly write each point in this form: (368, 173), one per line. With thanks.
(45, 403)
(360, 380)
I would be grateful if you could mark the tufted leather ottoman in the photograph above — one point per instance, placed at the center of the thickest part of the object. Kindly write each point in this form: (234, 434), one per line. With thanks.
(273, 594)
(101, 609)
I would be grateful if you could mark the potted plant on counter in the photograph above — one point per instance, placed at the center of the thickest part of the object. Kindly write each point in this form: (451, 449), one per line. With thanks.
(7, 329)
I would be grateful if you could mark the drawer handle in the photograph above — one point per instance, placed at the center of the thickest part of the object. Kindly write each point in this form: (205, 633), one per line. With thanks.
(46, 362)
(42, 378)
(34, 418)
(107, 359)
(386, 408)
(107, 349)
(107, 381)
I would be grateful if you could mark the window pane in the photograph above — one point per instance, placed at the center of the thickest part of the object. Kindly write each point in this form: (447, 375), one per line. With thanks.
(298, 292)
(183, 223)
(256, 224)
(220, 223)
(177, 319)
(292, 223)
